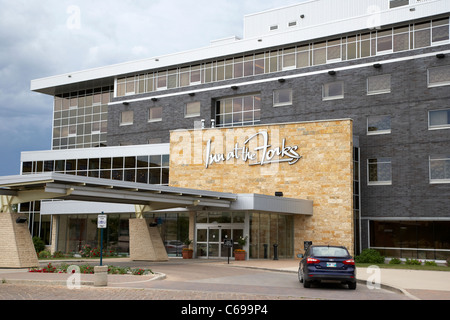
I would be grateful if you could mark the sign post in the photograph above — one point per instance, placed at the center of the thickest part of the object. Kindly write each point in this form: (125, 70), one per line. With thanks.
(101, 224)
(228, 243)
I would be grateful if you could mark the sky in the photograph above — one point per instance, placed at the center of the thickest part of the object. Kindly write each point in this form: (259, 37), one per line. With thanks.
(39, 39)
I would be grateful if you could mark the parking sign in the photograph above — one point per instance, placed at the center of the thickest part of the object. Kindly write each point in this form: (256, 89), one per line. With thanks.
(101, 221)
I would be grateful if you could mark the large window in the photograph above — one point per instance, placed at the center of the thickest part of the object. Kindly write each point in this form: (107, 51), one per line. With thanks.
(379, 171)
(268, 229)
(80, 119)
(155, 114)
(379, 84)
(192, 109)
(439, 76)
(378, 125)
(440, 169)
(439, 119)
(238, 111)
(152, 169)
(334, 90)
(411, 239)
(282, 97)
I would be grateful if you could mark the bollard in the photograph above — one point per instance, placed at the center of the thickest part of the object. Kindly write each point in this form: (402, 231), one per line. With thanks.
(265, 250)
(275, 252)
(100, 276)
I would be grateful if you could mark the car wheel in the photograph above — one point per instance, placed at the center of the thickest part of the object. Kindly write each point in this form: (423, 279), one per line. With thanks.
(352, 285)
(300, 275)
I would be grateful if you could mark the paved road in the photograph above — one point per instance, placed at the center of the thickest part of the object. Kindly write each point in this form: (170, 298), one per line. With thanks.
(202, 281)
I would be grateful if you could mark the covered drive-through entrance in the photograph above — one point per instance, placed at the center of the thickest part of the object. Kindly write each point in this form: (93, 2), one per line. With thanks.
(145, 243)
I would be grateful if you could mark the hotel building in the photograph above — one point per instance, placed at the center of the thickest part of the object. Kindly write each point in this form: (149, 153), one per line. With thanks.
(342, 104)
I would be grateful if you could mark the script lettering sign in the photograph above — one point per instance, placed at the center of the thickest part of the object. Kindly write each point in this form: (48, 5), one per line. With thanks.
(261, 155)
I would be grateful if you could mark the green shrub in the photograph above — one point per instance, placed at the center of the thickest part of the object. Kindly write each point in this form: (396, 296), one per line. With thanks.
(369, 256)
(395, 261)
(39, 244)
(44, 254)
(431, 263)
(413, 262)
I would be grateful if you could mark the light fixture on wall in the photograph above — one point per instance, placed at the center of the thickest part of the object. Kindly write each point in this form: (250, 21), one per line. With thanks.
(154, 99)
(281, 80)
(21, 220)
(234, 87)
(278, 194)
(440, 56)
(125, 103)
(377, 66)
(332, 72)
(192, 94)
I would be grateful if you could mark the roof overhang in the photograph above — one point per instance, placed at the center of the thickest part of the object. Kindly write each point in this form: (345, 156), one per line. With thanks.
(45, 186)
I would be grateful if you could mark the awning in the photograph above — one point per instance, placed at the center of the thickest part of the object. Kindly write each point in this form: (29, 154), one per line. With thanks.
(46, 186)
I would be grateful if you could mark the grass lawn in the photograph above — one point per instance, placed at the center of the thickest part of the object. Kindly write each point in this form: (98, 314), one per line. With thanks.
(404, 266)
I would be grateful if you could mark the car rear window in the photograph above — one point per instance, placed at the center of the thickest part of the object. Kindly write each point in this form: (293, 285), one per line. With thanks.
(329, 252)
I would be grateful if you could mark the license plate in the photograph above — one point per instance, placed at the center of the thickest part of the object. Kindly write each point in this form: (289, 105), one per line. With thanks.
(331, 264)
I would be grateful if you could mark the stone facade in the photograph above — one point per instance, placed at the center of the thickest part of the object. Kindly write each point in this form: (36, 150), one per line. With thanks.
(324, 173)
(16, 246)
(145, 242)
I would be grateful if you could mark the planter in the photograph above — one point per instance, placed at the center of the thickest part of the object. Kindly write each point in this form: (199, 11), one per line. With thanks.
(187, 254)
(239, 255)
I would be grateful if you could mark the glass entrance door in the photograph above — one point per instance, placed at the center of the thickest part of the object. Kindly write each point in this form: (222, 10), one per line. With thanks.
(212, 228)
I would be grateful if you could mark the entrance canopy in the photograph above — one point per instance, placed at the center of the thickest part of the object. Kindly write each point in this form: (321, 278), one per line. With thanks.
(44, 186)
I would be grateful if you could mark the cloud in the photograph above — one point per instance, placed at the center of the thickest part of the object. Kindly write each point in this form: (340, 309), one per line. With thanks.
(45, 38)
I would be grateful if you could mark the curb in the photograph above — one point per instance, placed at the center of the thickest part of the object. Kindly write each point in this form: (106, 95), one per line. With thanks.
(86, 283)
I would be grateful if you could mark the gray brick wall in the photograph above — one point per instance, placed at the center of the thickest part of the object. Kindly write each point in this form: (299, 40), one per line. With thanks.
(409, 145)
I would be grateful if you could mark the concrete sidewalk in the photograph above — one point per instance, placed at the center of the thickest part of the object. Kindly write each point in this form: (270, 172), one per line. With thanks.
(427, 285)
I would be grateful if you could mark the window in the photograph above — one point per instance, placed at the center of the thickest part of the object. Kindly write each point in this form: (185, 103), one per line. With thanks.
(440, 169)
(192, 109)
(384, 41)
(238, 111)
(155, 114)
(379, 84)
(334, 90)
(439, 76)
(379, 171)
(378, 125)
(126, 118)
(398, 3)
(439, 119)
(440, 32)
(282, 97)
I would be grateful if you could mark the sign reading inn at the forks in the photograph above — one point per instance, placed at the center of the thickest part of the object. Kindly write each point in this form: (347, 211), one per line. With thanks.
(261, 155)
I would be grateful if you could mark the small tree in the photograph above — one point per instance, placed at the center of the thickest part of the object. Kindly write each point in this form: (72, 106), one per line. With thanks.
(39, 244)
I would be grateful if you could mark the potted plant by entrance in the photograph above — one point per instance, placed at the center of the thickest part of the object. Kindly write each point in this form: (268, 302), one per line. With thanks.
(239, 254)
(187, 252)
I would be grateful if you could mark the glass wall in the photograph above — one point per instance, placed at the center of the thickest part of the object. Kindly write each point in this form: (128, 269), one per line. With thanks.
(174, 230)
(302, 55)
(269, 229)
(76, 231)
(152, 169)
(411, 239)
(81, 118)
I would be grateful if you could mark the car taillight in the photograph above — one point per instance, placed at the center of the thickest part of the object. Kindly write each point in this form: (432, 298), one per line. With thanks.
(349, 262)
(312, 261)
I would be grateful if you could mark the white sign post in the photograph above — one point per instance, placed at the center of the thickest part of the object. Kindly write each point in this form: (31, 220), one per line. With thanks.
(101, 224)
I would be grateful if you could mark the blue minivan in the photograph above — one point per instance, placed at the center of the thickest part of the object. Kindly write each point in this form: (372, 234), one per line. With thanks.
(322, 262)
